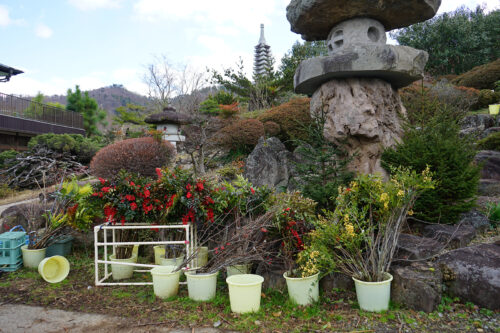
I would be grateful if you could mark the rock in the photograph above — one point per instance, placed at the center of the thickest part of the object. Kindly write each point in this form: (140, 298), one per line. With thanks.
(475, 219)
(269, 164)
(336, 281)
(17, 215)
(489, 131)
(417, 286)
(490, 160)
(489, 187)
(413, 247)
(366, 112)
(477, 123)
(273, 277)
(473, 274)
(314, 19)
(454, 236)
(398, 65)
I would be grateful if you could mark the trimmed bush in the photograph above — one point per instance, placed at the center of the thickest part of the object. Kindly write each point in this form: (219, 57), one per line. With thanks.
(83, 148)
(450, 157)
(271, 128)
(491, 142)
(480, 77)
(140, 155)
(5, 156)
(292, 117)
(242, 134)
(487, 97)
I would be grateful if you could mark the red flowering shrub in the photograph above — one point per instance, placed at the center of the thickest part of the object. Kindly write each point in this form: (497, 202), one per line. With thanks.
(141, 156)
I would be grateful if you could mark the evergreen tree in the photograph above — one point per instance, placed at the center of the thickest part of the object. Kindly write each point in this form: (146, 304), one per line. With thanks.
(322, 165)
(87, 106)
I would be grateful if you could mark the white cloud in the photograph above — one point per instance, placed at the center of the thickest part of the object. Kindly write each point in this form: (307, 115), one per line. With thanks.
(244, 15)
(451, 5)
(43, 31)
(5, 18)
(95, 4)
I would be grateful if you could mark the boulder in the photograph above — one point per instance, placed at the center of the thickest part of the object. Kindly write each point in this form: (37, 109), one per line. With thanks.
(314, 19)
(364, 113)
(490, 160)
(489, 131)
(17, 214)
(452, 236)
(489, 187)
(477, 123)
(473, 274)
(336, 281)
(398, 65)
(270, 164)
(475, 219)
(417, 286)
(413, 247)
(273, 277)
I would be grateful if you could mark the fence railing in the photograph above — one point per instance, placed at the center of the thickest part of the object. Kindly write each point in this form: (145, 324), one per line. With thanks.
(24, 108)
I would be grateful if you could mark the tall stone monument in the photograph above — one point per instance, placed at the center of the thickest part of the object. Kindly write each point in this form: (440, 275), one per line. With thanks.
(357, 84)
(262, 57)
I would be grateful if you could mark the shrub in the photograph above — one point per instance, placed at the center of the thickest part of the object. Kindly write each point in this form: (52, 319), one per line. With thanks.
(241, 134)
(141, 155)
(487, 97)
(229, 110)
(292, 117)
(6, 191)
(438, 144)
(460, 98)
(76, 144)
(480, 77)
(491, 142)
(5, 156)
(271, 128)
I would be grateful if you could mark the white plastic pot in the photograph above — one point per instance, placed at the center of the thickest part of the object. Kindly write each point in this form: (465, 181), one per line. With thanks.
(373, 296)
(32, 258)
(238, 269)
(165, 281)
(303, 291)
(159, 251)
(135, 252)
(121, 272)
(244, 292)
(202, 257)
(172, 261)
(54, 269)
(201, 287)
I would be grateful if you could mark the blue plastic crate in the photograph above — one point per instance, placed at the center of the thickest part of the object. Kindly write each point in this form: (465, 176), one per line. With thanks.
(10, 247)
(12, 267)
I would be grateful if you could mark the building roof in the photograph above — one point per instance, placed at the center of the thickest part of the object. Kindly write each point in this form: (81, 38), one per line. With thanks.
(168, 116)
(6, 72)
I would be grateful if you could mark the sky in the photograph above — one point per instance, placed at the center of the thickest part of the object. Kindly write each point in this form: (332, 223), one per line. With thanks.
(95, 43)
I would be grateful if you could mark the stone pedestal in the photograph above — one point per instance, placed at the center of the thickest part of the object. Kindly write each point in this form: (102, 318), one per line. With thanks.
(365, 112)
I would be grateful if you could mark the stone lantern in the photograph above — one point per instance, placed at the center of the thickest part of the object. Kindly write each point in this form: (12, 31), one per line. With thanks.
(356, 84)
(168, 122)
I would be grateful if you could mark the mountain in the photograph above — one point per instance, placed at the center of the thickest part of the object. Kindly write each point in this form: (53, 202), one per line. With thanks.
(109, 98)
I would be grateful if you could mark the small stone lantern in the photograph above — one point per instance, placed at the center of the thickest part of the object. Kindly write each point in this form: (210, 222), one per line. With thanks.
(168, 122)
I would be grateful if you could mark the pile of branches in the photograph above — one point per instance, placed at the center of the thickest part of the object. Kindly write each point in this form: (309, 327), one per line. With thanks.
(39, 165)
(243, 240)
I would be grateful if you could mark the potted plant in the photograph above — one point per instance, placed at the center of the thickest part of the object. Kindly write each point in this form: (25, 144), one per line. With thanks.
(360, 236)
(294, 220)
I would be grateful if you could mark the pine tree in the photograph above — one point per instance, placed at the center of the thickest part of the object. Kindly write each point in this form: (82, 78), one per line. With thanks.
(87, 106)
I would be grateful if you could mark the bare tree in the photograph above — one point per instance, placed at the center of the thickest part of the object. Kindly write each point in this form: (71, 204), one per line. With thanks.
(189, 84)
(160, 78)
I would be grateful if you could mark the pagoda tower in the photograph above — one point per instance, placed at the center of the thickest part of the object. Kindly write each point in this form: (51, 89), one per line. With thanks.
(263, 60)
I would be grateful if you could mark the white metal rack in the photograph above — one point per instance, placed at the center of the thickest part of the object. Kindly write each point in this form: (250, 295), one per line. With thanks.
(189, 242)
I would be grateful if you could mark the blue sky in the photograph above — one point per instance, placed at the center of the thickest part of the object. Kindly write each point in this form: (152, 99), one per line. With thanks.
(94, 43)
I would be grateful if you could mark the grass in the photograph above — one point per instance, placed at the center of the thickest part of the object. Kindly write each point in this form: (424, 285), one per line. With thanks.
(337, 310)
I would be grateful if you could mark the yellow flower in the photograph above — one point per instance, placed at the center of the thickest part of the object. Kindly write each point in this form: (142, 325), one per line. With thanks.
(401, 193)
(386, 205)
(346, 218)
(349, 229)
(410, 212)
(384, 197)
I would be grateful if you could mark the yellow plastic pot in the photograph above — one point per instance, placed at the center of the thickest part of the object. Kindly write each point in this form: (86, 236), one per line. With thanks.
(373, 296)
(135, 252)
(54, 269)
(159, 253)
(238, 269)
(121, 272)
(244, 292)
(165, 281)
(303, 291)
(201, 287)
(494, 108)
(32, 258)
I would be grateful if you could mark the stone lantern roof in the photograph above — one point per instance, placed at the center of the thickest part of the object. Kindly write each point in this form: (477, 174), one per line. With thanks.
(168, 116)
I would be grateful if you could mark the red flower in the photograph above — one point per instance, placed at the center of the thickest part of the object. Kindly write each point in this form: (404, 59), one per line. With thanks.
(263, 229)
(252, 190)
(130, 197)
(103, 181)
(210, 215)
(158, 172)
(189, 195)
(133, 206)
(109, 213)
(208, 201)
(155, 229)
(147, 193)
(188, 217)
(123, 220)
(100, 194)
(132, 184)
(106, 189)
(199, 186)
(95, 194)
(71, 210)
(147, 208)
(188, 187)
